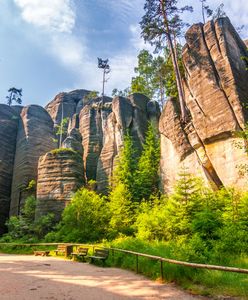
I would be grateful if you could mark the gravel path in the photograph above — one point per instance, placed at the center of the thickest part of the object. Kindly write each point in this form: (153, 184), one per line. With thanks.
(26, 277)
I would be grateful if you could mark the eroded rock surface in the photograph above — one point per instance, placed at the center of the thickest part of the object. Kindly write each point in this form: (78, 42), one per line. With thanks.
(34, 138)
(216, 95)
(8, 130)
(128, 115)
(60, 173)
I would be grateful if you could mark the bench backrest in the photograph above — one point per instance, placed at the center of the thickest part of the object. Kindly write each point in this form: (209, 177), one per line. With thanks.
(101, 252)
(61, 247)
(82, 250)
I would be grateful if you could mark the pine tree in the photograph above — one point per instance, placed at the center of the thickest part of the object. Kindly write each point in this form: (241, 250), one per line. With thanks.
(14, 95)
(205, 10)
(146, 176)
(161, 25)
(124, 171)
(121, 206)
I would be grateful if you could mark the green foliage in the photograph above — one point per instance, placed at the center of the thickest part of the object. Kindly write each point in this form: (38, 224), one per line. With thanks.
(84, 219)
(62, 127)
(161, 26)
(91, 95)
(156, 76)
(205, 10)
(198, 281)
(14, 95)
(124, 172)
(67, 151)
(31, 186)
(25, 227)
(146, 174)
(121, 93)
(219, 12)
(169, 76)
(152, 76)
(151, 221)
(63, 151)
(121, 209)
(60, 130)
(143, 83)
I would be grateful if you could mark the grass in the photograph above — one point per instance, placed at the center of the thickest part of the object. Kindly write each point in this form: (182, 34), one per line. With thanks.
(20, 249)
(198, 281)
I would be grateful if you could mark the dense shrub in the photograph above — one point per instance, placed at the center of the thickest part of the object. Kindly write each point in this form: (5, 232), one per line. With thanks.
(25, 227)
(84, 219)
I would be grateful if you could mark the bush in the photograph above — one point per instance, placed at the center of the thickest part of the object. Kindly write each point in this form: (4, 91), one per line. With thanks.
(25, 228)
(84, 219)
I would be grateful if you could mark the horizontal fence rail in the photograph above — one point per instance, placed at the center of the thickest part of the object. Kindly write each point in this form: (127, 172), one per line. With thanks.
(138, 254)
(178, 262)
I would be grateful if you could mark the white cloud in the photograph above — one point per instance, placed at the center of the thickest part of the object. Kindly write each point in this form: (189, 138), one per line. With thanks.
(57, 19)
(137, 41)
(51, 15)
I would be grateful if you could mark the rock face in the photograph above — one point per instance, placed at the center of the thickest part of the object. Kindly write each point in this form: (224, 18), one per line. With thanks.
(60, 173)
(8, 131)
(34, 138)
(72, 102)
(128, 115)
(216, 92)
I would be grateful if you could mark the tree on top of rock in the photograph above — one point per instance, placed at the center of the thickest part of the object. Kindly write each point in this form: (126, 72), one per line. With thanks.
(161, 25)
(14, 95)
(206, 11)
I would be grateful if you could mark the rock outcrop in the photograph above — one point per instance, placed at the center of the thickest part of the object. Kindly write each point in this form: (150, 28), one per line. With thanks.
(216, 93)
(128, 115)
(8, 130)
(72, 103)
(34, 138)
(60, 173)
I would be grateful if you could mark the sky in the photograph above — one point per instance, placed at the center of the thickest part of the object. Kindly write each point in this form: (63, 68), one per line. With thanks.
(51, 46)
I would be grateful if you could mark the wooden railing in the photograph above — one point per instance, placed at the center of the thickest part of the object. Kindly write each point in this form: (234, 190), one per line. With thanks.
(177, 262)
(162, 260)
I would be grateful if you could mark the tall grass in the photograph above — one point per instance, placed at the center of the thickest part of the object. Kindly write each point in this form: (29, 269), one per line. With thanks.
(199, 281)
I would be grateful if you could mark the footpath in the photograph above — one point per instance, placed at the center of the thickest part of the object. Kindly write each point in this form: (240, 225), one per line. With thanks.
(27, 277)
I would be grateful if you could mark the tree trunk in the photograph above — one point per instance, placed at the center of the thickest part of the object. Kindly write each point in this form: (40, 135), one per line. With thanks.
(203, 14)
(175, 65)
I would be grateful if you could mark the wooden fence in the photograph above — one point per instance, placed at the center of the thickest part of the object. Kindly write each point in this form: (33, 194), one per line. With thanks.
(162, 260)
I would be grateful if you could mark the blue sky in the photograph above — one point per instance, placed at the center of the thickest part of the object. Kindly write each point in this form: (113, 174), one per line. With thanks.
(49, 46)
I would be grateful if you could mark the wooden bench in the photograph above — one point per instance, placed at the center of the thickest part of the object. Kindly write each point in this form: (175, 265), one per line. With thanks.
(81, 252)
(99, 254)
(65, 249)
(41, 253)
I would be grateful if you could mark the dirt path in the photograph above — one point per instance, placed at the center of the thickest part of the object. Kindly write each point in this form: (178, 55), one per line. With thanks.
(26, 277)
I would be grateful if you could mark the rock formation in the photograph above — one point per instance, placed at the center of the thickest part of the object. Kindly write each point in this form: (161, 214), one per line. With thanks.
(34, 138)
(216, 93)
(128, 115)
(60, 173)
(8, 131)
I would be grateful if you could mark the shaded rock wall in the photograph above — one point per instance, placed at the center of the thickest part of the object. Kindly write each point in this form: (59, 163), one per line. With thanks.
(128, 114)
(34, 138)
(8, 131)
(72, 103)
(216, 93)
(60, 173)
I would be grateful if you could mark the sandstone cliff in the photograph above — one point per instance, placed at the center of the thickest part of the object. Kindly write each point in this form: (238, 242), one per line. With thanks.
(128, 114)
(60, 173)
(8, 131)
(34, 138)
(216, 93)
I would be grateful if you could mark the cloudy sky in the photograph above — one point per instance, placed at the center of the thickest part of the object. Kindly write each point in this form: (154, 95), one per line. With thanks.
(49, 46)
